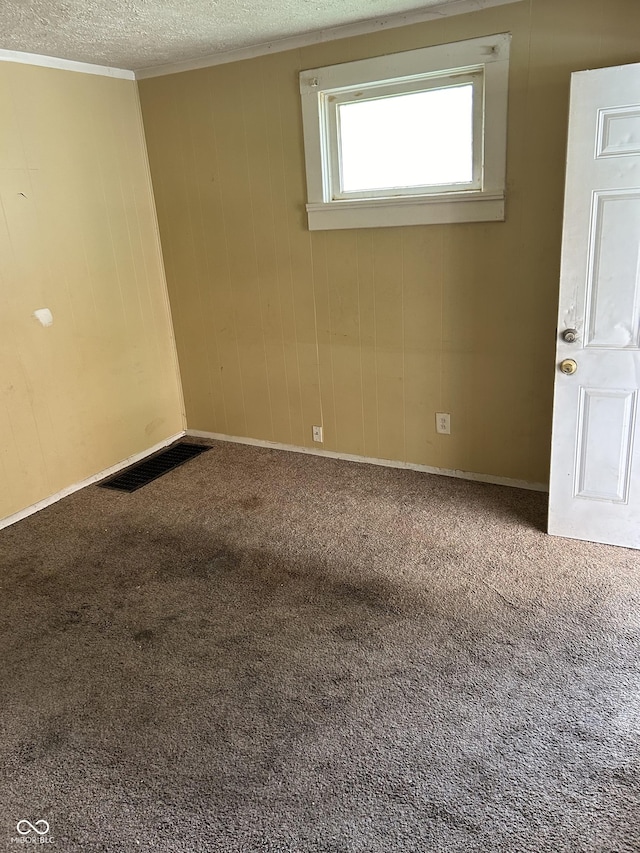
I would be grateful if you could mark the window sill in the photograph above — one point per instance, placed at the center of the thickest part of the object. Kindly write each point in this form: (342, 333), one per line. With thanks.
(389, 212)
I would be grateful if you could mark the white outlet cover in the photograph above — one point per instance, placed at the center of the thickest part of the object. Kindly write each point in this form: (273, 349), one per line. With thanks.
(443, 423)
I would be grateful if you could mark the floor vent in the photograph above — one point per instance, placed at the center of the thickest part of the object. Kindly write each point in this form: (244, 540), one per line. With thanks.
(153, 467)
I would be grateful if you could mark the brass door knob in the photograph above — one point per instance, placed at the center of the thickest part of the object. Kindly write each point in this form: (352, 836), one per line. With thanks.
(568, 366)
(570, 336)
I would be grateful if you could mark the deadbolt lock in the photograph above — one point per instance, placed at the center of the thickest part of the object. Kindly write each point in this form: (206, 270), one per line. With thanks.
(570, 335)
(568, 366)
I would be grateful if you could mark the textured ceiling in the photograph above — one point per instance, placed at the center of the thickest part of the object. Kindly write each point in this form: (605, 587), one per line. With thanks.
(137, 34)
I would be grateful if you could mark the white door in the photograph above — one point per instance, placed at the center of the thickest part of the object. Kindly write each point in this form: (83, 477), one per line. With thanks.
(595, 455)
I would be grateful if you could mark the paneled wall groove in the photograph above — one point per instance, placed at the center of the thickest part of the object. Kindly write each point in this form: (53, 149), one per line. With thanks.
(369, 334)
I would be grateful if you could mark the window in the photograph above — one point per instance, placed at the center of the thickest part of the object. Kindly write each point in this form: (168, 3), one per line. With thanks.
(408, 139)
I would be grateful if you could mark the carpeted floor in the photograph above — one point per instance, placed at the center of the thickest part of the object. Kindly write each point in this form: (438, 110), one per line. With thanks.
(265, 651)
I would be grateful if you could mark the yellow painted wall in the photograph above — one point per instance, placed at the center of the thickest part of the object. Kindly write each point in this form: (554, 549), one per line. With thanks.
(370, 332)
(78, 235)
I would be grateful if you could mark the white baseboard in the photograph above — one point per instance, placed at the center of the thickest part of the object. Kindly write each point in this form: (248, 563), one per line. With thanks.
(131, 460)
(388, 463)
(274, 445)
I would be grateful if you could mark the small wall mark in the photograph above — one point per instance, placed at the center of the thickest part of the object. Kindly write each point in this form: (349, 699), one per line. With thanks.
(44, 315)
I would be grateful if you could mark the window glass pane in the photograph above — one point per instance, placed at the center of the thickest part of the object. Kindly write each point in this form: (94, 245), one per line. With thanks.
(422, 138)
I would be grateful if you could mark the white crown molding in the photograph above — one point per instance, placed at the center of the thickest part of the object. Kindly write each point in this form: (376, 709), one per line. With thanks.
(444, 9)
(65, 64)
(370, 460)
(108, 472)
(437, 11)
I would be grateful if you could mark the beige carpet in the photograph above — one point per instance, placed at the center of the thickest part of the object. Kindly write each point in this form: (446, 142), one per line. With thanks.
(265, 651)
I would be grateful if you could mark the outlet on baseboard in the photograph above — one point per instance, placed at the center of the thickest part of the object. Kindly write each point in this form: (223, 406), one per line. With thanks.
(443, 423)
(317, 433)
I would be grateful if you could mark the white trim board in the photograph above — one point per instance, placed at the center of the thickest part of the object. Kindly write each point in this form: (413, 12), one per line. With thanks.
(69, 490)
(65, 64)
(431, 13)
(370, 460)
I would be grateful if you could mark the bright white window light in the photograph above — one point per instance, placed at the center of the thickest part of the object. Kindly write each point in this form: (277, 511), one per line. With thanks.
(410, 140)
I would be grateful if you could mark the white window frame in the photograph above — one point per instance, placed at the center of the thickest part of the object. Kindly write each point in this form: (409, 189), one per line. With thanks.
(484, 60)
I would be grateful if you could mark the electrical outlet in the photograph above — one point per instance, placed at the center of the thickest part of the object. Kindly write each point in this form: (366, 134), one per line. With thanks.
(317, 433)
(443, 423)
